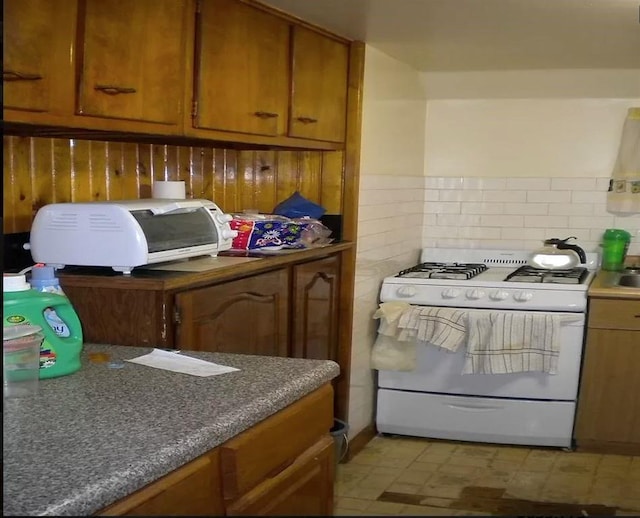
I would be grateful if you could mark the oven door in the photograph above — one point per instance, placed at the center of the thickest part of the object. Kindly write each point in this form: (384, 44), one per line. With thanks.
(440, 371)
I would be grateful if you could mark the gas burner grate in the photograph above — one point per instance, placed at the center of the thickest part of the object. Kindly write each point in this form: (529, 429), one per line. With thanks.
(563, 276)
(431, 270)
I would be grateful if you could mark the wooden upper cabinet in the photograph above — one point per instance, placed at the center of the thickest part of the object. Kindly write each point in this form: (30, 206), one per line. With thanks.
(319, 86)
(241, 69)
(37, 70)
(131, 59)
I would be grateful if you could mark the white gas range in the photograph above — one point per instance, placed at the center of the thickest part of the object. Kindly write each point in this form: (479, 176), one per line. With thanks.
(437, 400)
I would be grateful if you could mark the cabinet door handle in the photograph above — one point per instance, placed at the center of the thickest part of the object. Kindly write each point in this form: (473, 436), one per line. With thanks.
(307, 120)
(12, 75)
(115, 90)
(266, 115)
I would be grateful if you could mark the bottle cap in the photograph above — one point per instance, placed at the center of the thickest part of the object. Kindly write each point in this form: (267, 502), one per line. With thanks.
(43, 276)
(14, 282)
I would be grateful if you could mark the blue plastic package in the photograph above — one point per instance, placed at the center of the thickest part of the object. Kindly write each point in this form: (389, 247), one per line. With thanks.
(297, 206)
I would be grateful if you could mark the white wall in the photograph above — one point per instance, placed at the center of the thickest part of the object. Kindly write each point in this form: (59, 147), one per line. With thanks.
(390, 206)
(527, 158)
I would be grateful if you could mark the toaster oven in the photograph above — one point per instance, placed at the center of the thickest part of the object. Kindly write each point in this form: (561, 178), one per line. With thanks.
(128, 233)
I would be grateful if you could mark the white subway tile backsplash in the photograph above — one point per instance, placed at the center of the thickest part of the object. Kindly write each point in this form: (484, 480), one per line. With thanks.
(442, 207)
(593, 196)
(430, 220)
(453, 220)
(412, 207)
(573, 184)
(441, 231)
(571, 209)
(475, 183)
(529, 184)
(588, 222)
(443, 182)
(501, 221)
(546, 221)
(507, 196)
(479, 233)
(532, 209)
(459, 195)
(433, 195)
(529, 233)
(541, 206)
(482, 208)
(548, 196)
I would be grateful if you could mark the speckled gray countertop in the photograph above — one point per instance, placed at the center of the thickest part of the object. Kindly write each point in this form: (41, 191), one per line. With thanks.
(93, 437)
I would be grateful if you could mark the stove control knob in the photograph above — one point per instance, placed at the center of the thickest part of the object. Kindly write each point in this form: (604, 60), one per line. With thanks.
(406, 291)
(450, 293)
(475, 294)
(498, 295)
(522, 296)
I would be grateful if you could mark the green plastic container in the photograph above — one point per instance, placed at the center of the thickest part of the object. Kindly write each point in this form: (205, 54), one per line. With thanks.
(59, 355)
(615, 243)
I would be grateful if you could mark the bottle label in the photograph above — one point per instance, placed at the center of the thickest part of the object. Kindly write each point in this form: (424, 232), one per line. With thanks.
(47, 355)
(56, 323)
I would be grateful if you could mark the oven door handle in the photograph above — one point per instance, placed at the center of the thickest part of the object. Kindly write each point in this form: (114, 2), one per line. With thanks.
(473, 408)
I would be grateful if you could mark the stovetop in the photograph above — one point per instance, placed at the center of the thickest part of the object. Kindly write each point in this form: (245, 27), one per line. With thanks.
(564, 276)
(464, 271)
(486, 279)
(443, 271)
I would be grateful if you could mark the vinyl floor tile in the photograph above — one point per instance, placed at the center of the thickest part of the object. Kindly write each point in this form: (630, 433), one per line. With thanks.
(427, 477)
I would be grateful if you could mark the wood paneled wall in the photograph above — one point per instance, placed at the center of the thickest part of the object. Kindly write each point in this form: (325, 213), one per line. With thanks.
(38, 171)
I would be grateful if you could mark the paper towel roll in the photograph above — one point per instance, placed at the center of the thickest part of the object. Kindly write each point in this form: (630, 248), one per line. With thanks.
(169, 190)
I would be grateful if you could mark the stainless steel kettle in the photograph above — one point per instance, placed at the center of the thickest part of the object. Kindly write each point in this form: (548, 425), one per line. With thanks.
(557, 254)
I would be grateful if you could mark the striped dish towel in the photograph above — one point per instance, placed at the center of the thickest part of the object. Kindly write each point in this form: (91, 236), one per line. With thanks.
(442, 327)
(501, 343)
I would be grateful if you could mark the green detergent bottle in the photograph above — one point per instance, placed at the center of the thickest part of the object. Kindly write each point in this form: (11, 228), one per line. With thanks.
(59, 355)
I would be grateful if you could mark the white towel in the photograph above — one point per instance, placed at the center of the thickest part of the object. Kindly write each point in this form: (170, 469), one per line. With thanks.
(502, 343)
(389, 353)
(442, 327)
(623, 196)
(389, 314)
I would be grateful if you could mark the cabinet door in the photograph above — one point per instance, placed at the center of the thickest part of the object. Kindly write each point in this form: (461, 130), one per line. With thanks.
(191, 490)
(319, 86)
(609, 401)
(38, 44)
(132, 59)
(305, 488)
(242, 69)
(245, 316)
(315, 309)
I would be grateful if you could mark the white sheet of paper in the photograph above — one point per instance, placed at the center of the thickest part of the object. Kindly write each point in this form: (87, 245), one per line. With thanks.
(173, 361)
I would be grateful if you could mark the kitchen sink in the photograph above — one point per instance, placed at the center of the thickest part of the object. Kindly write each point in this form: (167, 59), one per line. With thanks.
(631, 280)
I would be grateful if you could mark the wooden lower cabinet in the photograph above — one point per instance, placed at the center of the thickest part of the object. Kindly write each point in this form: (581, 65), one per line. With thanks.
(608, 416)
(248, 315)
(288, 311)
(283, 466)
(303, 489)
(192, 490)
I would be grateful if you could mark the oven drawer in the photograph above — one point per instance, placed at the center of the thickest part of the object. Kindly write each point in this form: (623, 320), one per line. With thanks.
(614, 314)
(544, 423)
